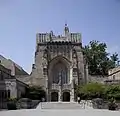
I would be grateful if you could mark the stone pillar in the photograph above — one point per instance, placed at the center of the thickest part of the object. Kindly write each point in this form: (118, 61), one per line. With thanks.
(71, 74)
(59, 96)
(72, 95)
(87, 78)
(49, 96)
(47, 90)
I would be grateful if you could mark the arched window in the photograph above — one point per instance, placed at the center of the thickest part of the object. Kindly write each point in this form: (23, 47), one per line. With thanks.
(60, 73)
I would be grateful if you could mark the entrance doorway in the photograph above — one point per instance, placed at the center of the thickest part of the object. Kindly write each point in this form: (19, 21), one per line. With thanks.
(54, 96)
(66, 97)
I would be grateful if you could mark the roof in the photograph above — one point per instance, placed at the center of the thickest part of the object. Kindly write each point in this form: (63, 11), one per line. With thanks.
(8, 63)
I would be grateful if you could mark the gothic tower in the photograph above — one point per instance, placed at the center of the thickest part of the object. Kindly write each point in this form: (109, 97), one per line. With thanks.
(59, 65)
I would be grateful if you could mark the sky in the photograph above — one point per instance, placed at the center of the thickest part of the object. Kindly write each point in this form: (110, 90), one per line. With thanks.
(20, 20)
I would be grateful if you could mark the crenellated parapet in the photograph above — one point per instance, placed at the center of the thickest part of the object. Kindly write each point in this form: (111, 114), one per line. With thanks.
(47, 37)
(43, 38)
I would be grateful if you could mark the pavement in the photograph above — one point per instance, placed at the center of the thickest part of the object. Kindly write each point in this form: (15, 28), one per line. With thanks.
(80, 112)
(60, 112)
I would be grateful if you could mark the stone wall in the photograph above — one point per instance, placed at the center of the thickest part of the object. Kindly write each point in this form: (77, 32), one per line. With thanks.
(97, 78)
(12, 86)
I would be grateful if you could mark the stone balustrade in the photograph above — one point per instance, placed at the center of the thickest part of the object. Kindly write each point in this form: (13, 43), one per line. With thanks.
(58, 87)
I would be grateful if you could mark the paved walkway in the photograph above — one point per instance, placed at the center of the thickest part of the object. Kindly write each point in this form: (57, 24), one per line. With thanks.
(88, 111)
(81, 112)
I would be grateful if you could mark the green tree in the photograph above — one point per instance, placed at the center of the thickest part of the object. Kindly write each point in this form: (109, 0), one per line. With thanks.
(91, 90)
(35, 93)
(94, 90)
(99, 61)
(112, 91)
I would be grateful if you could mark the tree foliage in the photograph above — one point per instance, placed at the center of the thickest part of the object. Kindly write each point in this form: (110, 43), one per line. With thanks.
(113, 91)
(95, 90)
(35, 93)
(99, 61)
(91, 90)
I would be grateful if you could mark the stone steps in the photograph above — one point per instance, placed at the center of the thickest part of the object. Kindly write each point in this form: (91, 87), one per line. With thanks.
(61, 105)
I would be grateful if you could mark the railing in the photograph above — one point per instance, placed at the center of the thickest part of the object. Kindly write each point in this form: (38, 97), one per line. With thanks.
(112, 81)
(66, 87)
(55, 86)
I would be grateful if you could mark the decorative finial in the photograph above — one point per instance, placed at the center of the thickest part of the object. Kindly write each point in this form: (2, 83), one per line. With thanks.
(65, 23)
(66, 29)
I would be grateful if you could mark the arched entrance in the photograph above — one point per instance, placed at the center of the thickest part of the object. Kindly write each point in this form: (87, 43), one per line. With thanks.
(54, 96)
(66, 97)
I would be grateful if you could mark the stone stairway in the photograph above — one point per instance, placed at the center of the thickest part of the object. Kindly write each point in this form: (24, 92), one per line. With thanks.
(62, 105)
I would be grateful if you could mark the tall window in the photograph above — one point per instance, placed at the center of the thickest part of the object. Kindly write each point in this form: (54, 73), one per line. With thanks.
(60, 73)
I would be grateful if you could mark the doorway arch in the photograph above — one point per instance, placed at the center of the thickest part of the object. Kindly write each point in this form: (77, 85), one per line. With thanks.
(54, 96)
(66, 96)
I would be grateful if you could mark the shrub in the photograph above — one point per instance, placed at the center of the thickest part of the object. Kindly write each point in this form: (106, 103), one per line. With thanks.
(97, 90)
(90, 91)
(35, 93)
(112, 91)
(11, 105)
(112, 105)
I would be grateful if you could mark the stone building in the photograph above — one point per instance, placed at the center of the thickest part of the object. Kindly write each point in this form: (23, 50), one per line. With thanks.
(15, 68)
(59, 65)
(10, 87)
(9, 84)
(113, 76)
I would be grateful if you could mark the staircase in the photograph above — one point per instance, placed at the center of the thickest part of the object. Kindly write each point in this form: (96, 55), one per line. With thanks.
(62, 105)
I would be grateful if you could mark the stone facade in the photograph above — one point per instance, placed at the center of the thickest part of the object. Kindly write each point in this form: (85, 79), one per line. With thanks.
(10, 87)
(15, 68)
(113, 76)
(59, 65)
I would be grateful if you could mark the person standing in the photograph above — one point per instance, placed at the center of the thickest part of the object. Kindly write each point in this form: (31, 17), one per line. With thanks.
(79, 100)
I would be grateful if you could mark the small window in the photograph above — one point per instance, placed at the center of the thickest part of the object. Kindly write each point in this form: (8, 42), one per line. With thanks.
(113, 77)
(8, 93)
(75, 72)
(1, 75)
(44, 71)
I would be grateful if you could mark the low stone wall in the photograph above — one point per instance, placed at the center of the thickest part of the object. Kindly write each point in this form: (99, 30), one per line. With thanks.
(97, 78)
(104, 105)
(35, 103)
(26, 103)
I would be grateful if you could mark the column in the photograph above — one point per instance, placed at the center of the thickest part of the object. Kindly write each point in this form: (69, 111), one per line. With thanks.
(49, 96)
(59, 96)
(72, 95)
(71, 74)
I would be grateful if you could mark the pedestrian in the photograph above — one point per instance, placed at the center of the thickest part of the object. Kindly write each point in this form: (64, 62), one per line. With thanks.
(79, 100)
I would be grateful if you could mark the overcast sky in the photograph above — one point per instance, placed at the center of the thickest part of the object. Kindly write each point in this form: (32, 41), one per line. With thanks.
(20, 20)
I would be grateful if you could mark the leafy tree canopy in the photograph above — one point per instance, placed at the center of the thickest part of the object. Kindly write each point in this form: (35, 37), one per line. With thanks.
(95, 90)
(91, 88)
(35, 92)
(99, 61)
